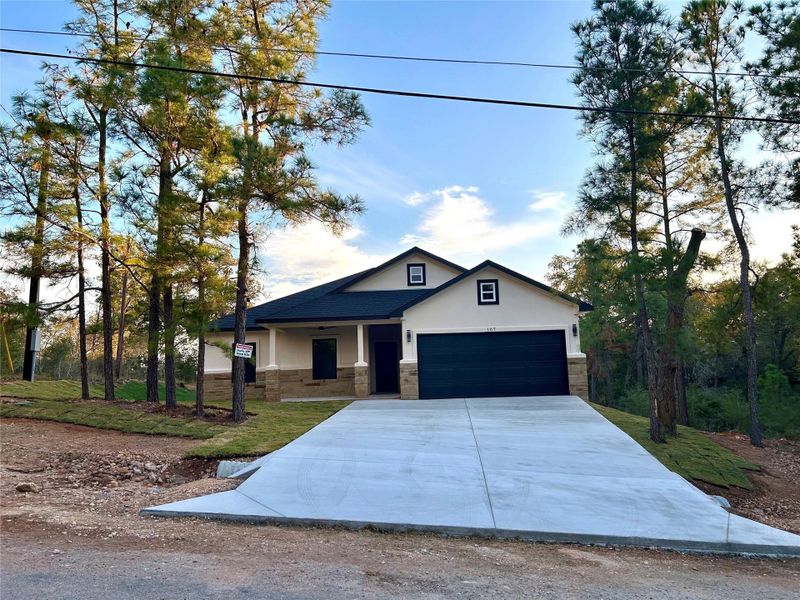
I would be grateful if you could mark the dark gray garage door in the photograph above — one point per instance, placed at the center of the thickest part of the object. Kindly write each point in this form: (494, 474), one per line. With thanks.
(508, 363)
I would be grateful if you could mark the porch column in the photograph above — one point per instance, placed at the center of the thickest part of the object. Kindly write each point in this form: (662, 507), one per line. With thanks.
(361, 369)
(273, 340)
(272, 389)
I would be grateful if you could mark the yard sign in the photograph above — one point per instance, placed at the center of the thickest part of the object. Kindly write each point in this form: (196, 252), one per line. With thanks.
(243, 351)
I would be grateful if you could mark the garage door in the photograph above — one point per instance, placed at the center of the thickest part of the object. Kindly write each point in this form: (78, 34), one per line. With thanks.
(508, 363)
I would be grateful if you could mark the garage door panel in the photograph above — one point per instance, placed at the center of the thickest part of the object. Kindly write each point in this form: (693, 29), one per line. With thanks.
(519, 363)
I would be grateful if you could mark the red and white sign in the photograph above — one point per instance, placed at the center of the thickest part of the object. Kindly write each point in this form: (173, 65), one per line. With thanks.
(243, 351)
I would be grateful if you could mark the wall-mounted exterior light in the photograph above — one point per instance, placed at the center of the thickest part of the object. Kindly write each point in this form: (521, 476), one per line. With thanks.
(408, 335)
(574, 330)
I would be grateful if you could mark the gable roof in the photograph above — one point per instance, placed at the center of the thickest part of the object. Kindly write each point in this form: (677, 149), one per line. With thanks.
(275, 306)
(582, 306)
(398, 258)
(328, 302)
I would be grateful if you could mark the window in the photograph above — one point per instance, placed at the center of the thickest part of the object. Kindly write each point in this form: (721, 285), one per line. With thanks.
(488, 292)
(323, 359)
(249, 365)
(416, 273)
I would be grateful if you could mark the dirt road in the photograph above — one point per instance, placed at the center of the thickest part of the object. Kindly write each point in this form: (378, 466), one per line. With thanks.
(81, 537)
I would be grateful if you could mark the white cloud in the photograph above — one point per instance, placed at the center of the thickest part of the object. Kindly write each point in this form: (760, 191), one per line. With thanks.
(299, 257)
(549, 201)
(416, 198)
(461, 224)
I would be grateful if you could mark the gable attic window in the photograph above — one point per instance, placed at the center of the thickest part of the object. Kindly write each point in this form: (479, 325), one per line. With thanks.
(488, 292)
(416, 273)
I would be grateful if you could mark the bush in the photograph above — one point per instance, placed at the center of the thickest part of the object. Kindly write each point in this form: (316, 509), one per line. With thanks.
(726, 408)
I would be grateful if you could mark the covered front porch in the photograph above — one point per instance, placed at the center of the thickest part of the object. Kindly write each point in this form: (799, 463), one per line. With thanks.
(332, 359)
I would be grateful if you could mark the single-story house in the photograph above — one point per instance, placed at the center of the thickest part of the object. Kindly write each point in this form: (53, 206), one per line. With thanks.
(417, 326)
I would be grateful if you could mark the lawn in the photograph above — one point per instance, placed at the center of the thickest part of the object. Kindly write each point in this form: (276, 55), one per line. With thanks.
(274, 425)
(111, 416)
(47, 390)
(136, 390)
(691, 454)
(270, 425)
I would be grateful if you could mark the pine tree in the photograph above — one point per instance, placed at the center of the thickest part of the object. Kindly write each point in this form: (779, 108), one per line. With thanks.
(276, 122)
(625, 53)
(714, 39)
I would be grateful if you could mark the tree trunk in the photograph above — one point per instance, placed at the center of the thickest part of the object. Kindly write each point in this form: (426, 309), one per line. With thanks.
(169, 349)
(37, 265)
(105, 246)
(680, 393)
(153, 325)
(656, 429)
(756, 438)
(81, 303)
(156, 281)
(199, 407)
(240, 314)
(123, 307)
(675, 285)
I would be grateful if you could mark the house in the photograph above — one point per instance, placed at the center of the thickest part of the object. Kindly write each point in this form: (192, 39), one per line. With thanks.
(417, 326)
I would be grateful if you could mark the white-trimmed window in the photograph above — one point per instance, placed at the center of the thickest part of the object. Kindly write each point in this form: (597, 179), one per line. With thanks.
(488, 291)
(416, 273)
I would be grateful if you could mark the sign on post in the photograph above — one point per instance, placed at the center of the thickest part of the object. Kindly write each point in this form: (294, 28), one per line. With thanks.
(243, 351)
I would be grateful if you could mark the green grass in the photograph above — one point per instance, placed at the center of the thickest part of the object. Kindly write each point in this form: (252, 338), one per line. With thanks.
(110, 416)
(269, 426)
(274, 425)
(137, 390)
(47, 390)
(691, 454)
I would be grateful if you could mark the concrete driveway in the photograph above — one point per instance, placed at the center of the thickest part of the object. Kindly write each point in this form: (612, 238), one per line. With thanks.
(544, 468)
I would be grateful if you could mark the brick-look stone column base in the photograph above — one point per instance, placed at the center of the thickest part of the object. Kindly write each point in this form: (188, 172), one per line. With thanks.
(272, 385)
(578, 379)
(409, 381)
(361, 375)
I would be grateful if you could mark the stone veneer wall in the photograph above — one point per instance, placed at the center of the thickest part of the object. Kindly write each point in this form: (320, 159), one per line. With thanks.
(217, 386)
(298, 383)
(578, 379)
(409, 381)
(361, 382)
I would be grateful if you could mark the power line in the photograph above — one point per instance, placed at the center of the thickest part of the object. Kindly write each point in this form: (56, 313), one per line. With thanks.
(401, 93)
(457, 61)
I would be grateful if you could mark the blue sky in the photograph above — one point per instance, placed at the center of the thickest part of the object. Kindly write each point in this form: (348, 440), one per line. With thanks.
(467, 181)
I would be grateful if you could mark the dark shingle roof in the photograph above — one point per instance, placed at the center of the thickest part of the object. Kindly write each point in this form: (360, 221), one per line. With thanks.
(276, 306)
(344, 306)
(328, 302)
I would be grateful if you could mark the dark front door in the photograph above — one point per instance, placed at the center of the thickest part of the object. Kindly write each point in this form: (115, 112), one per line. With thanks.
(510, 363)
(387, 374)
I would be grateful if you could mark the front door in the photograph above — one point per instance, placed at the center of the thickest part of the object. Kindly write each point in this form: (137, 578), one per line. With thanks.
(387, 373)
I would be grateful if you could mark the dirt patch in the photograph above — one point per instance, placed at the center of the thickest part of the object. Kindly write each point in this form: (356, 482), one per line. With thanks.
(775, 497)
(80, 524)
(76, 466)
(213, 414)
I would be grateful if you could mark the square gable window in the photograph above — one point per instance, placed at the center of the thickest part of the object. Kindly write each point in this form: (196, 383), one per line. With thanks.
(488, 292)
(416, 273)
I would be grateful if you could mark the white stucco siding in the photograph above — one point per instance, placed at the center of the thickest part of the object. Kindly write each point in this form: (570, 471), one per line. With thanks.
(394, 277)
(293, 347)
(216, 360)
(522, 307)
